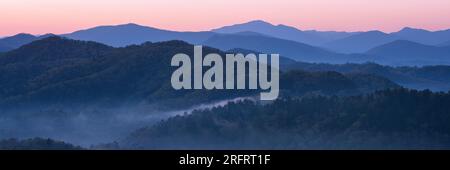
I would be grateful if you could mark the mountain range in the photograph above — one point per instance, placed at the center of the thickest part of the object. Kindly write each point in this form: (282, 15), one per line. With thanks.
(129, 34)
(428, 77)
(360, 43)
(30, 58)
(346, 42)
(311, 37)
(423, 36)
(307, 46)
(321, 105)
(292, 49)
(59, 70)
(408, 52)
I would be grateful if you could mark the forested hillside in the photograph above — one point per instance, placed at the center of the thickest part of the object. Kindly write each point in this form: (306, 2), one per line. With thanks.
(390, 119)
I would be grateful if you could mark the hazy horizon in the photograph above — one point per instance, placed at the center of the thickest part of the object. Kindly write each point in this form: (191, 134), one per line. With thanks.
(38, 34)
(51, 16)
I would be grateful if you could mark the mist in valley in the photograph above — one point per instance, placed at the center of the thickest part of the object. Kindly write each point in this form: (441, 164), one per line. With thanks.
(89, 125)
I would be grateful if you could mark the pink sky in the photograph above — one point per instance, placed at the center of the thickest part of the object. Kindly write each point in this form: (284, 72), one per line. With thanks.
(63, 16)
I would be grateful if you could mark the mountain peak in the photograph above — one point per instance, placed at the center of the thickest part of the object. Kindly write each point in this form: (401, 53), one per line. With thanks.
(407, 29)
(404, 49)
(287, 27)
(259, 22)
(24, 34)
(21, 35)
(47, 35)
(410, 29)
(128, 26)
(55, 48)
(248, 26)
(13, 42)
(376, 32)
(131, 25)
(59, 42)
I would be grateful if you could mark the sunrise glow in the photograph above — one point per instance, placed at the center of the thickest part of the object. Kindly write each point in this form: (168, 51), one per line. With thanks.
(57, 16)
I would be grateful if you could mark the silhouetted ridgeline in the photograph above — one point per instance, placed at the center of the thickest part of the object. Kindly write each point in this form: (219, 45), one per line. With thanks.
(407, 47)
(14, 42)
(434, 78)
(348, 42)
(391, 119)
(56, 71)
(428, 77)
(311, 37)
(294, 50)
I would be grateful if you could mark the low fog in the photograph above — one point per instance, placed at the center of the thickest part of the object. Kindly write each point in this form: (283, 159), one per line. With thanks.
(87, 126)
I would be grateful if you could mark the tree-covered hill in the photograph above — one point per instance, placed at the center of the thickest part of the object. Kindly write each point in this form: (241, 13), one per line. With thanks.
(390, 119)
(57, 70)
(434, 78)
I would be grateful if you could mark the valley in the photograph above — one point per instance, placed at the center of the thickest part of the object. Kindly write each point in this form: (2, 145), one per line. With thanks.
(95, 89)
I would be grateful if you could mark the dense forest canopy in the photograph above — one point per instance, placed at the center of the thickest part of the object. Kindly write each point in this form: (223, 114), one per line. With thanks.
(398, 118)
(81, 90)
(57, 70)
